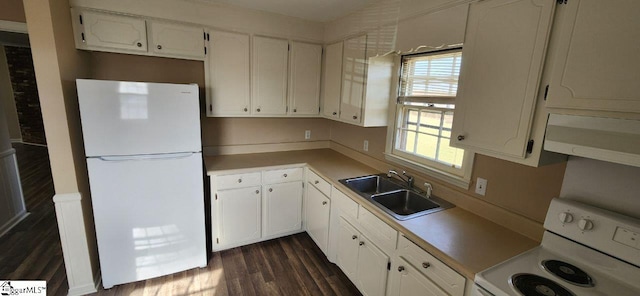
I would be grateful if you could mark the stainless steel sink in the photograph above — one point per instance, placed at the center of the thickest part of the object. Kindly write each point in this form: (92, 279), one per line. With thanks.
(405, 204)
(393, 196)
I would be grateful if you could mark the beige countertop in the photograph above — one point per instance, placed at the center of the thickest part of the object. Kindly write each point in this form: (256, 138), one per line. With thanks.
(466, 242)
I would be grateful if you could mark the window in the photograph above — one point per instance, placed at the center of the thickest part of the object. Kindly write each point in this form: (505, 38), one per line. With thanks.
(424, 115)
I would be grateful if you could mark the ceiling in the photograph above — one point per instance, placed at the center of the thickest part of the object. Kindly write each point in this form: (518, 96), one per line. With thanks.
(314, 10)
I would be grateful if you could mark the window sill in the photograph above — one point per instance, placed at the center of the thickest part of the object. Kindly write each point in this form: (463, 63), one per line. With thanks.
(432, 172)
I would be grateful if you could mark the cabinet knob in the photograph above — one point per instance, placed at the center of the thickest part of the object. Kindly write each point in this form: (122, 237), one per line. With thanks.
(159, 46)
(258, 109)
(335, 113)
(270, 189)
(257, 191)
(401, 268)
(295, 110)
(361, 243)
(285, 175)
(316, 182)
(324, 203)
(460, 137)
(245, 109)
(355, 117)
(354, 237)
(426, 264)
(239, 180)
(139, 44)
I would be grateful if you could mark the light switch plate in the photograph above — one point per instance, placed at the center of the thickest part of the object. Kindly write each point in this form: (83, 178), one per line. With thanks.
(365, 146)
(307, 134)
(481, 186)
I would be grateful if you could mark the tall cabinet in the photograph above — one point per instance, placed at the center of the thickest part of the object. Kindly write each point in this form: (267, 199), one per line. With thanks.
(354, 65)
(332, 79)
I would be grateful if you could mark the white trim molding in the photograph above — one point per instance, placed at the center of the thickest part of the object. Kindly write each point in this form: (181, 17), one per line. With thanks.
(75, 248)
(12, 205)
(14, 27)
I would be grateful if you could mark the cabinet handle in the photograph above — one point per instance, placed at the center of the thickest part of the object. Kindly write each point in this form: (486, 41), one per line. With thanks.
(335, 113)
(324, 203)
(271, 190)
(426, 264)
(139, 44)
(245, 109)
(257, 191)
(355, 117)
(239, 180)
(285, 175)
(258, 109)
(401, 268)
(159, 46)
(295, 110)
(354, 237)
(460, 137)
(316, 182)
(361, 243)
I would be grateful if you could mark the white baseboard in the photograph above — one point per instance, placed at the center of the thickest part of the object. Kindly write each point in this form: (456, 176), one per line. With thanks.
(88, 288)
(263, 148)
(13, 222)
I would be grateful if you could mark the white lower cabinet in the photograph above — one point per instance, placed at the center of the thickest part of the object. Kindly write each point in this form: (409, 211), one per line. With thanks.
(407, 280)
(317, 207)
(237, 215)
(282, 208)
(361, 260)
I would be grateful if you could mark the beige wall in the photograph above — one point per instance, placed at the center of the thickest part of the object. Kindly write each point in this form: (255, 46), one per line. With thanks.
(524, 190)
(5, 142)
(57, 64)
(12, 10)
(6, 98)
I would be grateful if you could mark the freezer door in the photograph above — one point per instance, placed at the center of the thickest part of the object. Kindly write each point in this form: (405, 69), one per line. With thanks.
(149, 216)
(134, 118)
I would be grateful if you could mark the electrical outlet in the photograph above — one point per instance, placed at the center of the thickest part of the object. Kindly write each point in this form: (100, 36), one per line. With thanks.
(481, 186)
(365, 146)
(307, 134)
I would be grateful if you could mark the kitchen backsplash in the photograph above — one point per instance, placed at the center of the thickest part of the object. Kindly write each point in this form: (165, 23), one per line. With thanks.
(603, 184)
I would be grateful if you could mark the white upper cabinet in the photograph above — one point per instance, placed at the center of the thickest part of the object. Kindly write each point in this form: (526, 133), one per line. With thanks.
(332, 79)
(109, 32)
(269, 76)
(503, 53)
(305, 62)
(177, 40)
(354, 68)
(594, 56)
(228, 74)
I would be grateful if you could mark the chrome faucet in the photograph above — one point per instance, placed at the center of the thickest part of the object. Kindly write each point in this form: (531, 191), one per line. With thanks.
(409, 178)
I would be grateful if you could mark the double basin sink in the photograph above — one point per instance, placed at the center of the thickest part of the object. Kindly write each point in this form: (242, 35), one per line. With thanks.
(395, 198)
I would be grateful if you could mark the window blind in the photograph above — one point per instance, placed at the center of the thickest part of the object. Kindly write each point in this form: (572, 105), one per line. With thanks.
(430, 77)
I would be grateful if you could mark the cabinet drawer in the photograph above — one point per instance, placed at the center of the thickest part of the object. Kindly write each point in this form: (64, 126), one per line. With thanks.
(238, 180)
(438, 272)
(347, 207)
(321, 184)
(283, 175)
(383, 235)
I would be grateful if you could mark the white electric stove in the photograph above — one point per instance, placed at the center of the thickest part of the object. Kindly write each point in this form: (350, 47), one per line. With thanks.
(585, 251)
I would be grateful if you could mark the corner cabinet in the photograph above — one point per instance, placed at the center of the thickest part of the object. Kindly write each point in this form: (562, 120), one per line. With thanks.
(228, 74)
(594, 56)
(499, 107)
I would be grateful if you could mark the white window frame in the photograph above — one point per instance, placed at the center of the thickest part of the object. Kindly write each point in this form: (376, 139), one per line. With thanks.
(459, 177)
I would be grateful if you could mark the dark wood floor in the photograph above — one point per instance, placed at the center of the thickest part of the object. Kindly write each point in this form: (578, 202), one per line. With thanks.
(291, 265)
(31, 250)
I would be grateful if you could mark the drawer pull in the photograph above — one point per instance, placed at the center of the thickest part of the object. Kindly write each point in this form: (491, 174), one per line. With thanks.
(239, 180)
(271, 190)
(316, 182)
(426, 264)
(361, 243)
(324, 203)
(257, 191)
(285, 175)
(400, 268)
(139, 44)
(354, 237)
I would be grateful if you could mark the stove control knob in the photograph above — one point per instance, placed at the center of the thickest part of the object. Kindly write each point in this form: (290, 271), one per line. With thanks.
(565, 217)
(585, 224)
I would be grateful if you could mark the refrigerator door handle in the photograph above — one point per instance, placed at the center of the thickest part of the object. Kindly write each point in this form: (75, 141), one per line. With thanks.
(147, 156)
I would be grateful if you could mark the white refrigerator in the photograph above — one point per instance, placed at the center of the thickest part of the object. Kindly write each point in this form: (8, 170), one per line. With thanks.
(144, 158)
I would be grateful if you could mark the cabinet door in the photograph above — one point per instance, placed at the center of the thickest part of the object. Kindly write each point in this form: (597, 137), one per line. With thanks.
(282, 208)
(317, 212)
(405, 280)
(113, 32)
(269, 79)
(372, 272)
(354, 67)
(503, 52)
(228, 71)
(304, 78)
(595, 57)
(347, 241)
(176, 40)
(238, 215)
(332, 78)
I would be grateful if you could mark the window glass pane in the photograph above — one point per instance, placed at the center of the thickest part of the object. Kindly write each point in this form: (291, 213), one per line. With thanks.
(450, 155)
(427, 146)
(448, 120)
(431, 75)
(431, 118)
